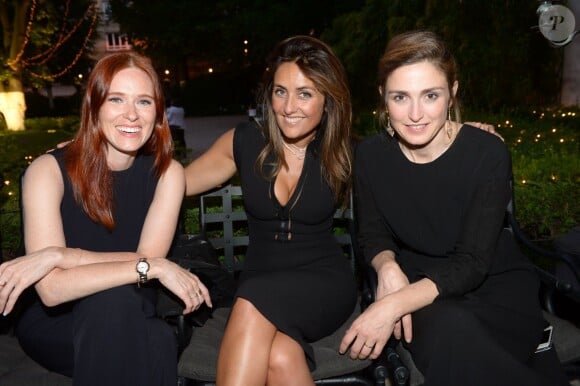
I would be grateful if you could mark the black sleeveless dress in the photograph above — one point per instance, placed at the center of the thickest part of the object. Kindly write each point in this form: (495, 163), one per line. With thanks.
(112, 337)
(295, 272)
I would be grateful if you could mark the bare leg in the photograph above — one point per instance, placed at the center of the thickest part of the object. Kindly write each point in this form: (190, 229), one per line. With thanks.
(245, 350)
(288, 365)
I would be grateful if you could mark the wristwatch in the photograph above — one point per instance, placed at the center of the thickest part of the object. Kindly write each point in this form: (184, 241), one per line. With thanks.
(142, 268)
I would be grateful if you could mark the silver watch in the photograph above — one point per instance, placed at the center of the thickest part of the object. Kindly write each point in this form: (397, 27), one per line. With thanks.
(142, 269)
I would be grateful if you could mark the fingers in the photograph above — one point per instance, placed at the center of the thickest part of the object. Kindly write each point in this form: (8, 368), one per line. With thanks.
(347, 340)
(9, 293)
(198, 294)
(366, 348)
(187, 286)
(365, 351)
(205, 294)
(8, 296)
(6, 288)
(407, 327)
(404, 327)
(485, 127)
(398, 329)
(361, 347)
(195, 300)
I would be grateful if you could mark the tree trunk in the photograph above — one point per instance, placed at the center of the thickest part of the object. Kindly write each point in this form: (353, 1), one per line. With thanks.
(12, 103)
(570, 93)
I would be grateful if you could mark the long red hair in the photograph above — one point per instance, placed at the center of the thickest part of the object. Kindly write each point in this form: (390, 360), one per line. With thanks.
(86, 156)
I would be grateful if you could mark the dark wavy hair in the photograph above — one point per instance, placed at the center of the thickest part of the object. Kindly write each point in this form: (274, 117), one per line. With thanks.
(318, 63)
(86, 156)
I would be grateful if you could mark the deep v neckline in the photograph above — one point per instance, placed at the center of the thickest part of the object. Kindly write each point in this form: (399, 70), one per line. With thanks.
(297, 190)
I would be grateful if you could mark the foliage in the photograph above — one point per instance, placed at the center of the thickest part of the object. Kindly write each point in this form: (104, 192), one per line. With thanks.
(43, 40)
(546, 164)
(17, 150)
(214, 31)
(53, 43)
(502, 60)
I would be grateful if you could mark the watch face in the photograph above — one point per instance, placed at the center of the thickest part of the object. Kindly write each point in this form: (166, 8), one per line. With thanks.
(142, 267)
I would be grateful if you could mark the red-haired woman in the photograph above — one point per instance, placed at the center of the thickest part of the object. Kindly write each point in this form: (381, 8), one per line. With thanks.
(99, 217)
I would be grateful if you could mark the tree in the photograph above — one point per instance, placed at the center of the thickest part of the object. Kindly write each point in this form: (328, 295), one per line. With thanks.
(213, 33)
(571, 67)
(503, 61)
(37, 37)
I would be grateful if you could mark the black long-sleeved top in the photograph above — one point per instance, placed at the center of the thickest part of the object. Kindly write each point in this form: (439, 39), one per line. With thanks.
(442, 219)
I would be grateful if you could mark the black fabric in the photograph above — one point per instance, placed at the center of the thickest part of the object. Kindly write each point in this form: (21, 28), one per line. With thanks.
(133, 189)
(444, 219)
(195, 253)
(112, 337)
(570, 242)
(295, 272)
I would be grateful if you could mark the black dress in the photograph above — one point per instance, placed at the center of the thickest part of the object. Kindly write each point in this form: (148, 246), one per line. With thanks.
(112, 337)
(295, 272)
(443, 220)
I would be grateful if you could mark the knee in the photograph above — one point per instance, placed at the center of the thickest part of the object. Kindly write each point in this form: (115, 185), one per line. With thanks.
(286, 358)
(246, 315)
(280, 364)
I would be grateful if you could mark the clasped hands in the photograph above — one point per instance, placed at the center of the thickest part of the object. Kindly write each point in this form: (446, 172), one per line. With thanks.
(369, 333)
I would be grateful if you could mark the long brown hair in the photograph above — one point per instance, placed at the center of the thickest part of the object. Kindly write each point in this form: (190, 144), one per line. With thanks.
(86, 156)
(318, 63)
(414, 47)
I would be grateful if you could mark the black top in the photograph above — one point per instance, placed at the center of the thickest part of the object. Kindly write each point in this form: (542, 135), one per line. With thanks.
(134, 189)
(300, 231)
(443, 219)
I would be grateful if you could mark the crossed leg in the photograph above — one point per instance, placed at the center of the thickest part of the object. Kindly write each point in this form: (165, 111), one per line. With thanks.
(254, 352)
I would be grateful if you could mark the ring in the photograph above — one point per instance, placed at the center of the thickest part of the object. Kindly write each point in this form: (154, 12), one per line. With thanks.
(366, 345)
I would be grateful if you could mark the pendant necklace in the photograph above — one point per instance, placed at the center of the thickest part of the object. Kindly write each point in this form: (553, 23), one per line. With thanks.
(298, 152)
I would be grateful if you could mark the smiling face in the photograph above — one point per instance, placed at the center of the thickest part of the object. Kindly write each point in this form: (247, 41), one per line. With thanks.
(127, 116)
(417, 97)
(297, 104)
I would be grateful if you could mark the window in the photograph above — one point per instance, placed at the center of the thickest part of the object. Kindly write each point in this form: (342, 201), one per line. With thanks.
(117, 42)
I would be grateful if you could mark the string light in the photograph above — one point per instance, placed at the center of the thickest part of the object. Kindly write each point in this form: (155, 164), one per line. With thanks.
(13, 63)
(61, 33)
(43, 57)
